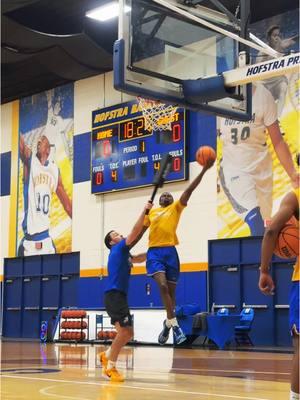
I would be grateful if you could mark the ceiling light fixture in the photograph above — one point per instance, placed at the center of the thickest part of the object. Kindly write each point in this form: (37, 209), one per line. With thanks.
(106, 12)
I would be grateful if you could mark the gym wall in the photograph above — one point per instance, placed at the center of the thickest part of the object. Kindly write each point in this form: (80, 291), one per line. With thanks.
(94, 215)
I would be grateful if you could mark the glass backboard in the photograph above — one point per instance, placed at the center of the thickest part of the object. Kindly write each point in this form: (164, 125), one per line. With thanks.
(162, 54)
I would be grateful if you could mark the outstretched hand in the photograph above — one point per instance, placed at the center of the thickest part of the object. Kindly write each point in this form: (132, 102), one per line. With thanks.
(266, 284)
(208, 164)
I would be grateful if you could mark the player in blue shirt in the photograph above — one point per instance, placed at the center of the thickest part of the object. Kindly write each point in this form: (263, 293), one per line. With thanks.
(119, 267)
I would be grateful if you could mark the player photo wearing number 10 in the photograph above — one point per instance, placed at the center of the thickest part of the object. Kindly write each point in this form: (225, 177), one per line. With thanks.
(246, 173)
(41, 179)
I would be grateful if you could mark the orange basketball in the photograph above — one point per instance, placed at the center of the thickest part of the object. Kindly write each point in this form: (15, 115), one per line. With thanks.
(111, 335)
(63, 335)
(100, 335)
(287, 245)
(105, 335)
(204, 154)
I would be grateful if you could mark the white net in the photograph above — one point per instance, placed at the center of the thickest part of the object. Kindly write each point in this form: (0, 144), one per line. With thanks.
(158, 116)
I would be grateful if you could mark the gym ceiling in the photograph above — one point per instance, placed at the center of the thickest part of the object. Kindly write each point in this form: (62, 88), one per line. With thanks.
(48, 43)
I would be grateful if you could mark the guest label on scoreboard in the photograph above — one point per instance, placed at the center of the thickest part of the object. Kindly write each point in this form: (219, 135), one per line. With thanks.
(125, 155)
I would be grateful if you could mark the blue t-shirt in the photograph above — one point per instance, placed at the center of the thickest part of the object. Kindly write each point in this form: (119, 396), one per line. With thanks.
(118, 267)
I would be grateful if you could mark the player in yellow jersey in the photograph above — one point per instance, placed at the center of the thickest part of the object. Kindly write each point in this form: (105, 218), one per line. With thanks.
(162, 258)
(289, 207)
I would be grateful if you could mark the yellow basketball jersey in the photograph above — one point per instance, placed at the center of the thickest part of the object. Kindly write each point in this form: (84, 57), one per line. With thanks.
(163, 223)
(296, 274)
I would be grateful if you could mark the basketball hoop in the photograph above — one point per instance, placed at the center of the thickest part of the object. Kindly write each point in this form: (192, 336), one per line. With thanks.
(158, 116)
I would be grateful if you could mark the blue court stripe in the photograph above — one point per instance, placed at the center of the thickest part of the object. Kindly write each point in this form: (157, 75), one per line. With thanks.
(82, 157)
(5, 166)
(202, 131)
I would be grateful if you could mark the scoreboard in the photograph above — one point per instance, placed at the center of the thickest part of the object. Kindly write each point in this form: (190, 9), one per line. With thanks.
(125, 155)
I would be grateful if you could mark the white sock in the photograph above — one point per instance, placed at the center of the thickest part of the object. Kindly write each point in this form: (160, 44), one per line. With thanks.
(107, 353)
(294, 396)
(111, 364)
(172, 322)
(168, 323)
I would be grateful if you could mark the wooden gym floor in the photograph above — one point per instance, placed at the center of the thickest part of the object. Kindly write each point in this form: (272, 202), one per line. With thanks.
(34, 371)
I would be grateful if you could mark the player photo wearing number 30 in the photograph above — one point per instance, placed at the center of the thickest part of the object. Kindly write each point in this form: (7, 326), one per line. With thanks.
(246, 172)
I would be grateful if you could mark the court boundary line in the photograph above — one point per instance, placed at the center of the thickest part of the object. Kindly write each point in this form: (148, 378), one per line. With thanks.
(134, 387)
(173, 371)
(231, 371)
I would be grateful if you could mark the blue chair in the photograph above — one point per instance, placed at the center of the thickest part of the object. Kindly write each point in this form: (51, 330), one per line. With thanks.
(242, 330)
(223, 311)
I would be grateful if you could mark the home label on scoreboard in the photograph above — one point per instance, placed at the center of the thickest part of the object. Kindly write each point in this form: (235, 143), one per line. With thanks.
(125, 155)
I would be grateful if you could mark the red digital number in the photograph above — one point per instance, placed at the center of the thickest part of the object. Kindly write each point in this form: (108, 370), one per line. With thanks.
(99, 178)
(176, 133)
(106, 148)
(176, 164)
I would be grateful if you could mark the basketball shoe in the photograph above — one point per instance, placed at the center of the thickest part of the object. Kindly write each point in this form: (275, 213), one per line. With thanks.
(178, 335)
(103, 359)
(114, 375)
(164, 334)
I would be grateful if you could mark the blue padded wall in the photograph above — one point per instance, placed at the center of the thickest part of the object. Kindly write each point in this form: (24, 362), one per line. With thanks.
(35, 288)
(51, 265)
(224, 252)
(91, 292)
(191, 289)
(32, 265)
(262, 332)
(233, 280)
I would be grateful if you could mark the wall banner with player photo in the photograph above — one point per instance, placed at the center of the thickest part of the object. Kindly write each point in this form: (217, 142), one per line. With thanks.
(255, 157)
(45, 183)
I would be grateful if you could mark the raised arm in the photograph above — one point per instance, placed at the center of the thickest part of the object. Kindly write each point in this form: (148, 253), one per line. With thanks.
(25, 152)
(192, 186)
(138, 230)
(288, 208)
(283, 153)
(140, 235)
(286, 43)
(49, 95)
(63, 197)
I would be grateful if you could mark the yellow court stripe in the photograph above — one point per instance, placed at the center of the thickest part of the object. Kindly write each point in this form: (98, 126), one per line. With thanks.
(14, 180)
(141, 270)
(88, 273)
(194, 267)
